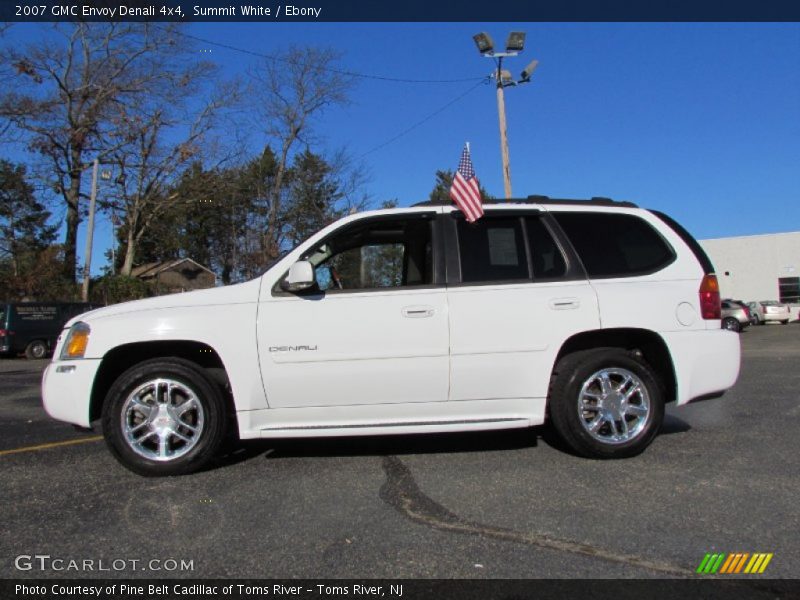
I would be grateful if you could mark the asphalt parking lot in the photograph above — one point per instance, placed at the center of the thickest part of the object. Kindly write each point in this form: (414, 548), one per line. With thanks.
(722, 477)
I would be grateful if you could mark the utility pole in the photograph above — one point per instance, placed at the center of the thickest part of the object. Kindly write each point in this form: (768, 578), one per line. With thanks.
(514, 45)
(113, 242)
(90, 234)
(501, 113)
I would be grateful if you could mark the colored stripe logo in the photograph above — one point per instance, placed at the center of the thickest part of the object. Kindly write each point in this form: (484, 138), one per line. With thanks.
(735, 562)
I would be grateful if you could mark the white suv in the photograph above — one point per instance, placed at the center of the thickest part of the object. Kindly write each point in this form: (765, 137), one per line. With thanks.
(589, 314)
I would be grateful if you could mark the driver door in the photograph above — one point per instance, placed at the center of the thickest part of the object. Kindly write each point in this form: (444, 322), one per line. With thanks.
(374, 330)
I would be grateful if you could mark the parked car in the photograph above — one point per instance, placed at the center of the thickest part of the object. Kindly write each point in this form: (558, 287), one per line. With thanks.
(735, 315)
(764, 311)
(589, 315)
(32, 327)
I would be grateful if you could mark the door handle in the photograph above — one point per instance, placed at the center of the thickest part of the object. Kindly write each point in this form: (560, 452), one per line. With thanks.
(564, 303)
(418, 312)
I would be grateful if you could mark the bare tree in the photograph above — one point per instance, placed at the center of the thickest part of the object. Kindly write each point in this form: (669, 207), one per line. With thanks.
(292, 92)
(156, 145)
(68, 89)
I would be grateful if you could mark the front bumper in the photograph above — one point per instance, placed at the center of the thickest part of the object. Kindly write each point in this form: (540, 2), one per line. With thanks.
(706, 362)
(67, 389)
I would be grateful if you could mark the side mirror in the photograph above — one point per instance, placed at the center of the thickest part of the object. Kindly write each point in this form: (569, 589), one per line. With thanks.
(299, 278)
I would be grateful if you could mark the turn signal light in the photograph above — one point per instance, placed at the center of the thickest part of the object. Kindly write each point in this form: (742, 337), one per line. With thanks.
(710, 306)
(77, 340)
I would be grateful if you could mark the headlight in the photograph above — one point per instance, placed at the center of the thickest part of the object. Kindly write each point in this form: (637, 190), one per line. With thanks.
(77, 339)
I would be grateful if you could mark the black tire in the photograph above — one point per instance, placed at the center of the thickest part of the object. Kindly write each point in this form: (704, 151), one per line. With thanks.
(786, 322)
(731, 324)
(36, 350)
(193, 378)
(755, 319)
(569, 376)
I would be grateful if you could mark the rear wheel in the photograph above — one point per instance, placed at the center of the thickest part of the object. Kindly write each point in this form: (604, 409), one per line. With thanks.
(36, 349)
(730, 324)
(786, 322)
(164, 417)
(605, 403)
(756, 319)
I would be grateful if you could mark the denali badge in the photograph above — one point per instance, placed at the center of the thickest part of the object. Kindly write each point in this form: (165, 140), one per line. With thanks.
(290, 348)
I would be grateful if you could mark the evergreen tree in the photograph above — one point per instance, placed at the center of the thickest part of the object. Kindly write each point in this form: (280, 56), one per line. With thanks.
(26, 238)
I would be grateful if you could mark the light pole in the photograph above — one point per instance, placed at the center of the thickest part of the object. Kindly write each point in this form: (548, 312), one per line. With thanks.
(87, 268)
(514, 45)
(87, 263)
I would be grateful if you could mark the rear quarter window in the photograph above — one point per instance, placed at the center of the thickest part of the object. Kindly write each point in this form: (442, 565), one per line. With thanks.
(615, 245)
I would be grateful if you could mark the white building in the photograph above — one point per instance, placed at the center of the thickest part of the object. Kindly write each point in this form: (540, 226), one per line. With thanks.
(758, 267)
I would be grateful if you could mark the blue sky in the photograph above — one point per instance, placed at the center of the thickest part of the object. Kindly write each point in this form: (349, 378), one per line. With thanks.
(699, 120)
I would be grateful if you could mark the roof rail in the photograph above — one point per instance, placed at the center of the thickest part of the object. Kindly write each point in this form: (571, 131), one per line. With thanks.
(537, 199)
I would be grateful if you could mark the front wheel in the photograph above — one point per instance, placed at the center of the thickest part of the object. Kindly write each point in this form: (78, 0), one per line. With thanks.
(164, 417)
(605, 403)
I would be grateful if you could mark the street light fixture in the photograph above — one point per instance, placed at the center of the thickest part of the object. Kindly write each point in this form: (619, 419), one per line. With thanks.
(526, 74)
(515, 42)
(484, 43)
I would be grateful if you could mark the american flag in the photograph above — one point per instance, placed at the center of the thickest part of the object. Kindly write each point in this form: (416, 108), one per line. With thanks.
(465, 190)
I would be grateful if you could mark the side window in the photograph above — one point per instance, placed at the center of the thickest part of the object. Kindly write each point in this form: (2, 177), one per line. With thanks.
(615, 245)
(375, 255)
(548, 262)
(492, 249)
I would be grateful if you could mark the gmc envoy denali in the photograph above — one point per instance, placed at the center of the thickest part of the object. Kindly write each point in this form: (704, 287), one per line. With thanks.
(589, 315)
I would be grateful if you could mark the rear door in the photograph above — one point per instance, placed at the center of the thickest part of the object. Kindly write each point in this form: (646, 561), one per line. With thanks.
(637, 275)
(34, 321)
(514, 295)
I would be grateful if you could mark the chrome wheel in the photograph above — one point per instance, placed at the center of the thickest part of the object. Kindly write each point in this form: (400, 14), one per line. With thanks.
(614, 405)
(162, 420)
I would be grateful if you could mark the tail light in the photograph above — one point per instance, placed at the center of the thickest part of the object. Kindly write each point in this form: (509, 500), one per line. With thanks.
(6, 332)
(710, 307)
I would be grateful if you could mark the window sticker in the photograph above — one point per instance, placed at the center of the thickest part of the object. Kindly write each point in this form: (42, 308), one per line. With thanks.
(502, 247)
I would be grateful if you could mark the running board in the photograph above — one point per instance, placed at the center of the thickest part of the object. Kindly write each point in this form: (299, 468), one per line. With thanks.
(394, 427)
(396, 424)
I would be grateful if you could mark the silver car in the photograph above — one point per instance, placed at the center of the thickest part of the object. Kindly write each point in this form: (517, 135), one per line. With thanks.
(768, 310)
(735, 315)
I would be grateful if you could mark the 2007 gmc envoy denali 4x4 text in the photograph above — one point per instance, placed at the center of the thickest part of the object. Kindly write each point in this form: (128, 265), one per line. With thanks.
(588, 314)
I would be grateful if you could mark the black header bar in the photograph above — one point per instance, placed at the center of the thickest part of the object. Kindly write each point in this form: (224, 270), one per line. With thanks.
(398, 11)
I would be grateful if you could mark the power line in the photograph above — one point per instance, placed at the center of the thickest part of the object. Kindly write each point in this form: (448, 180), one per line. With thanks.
(331, 69)
(483, 81)
(480, 81)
